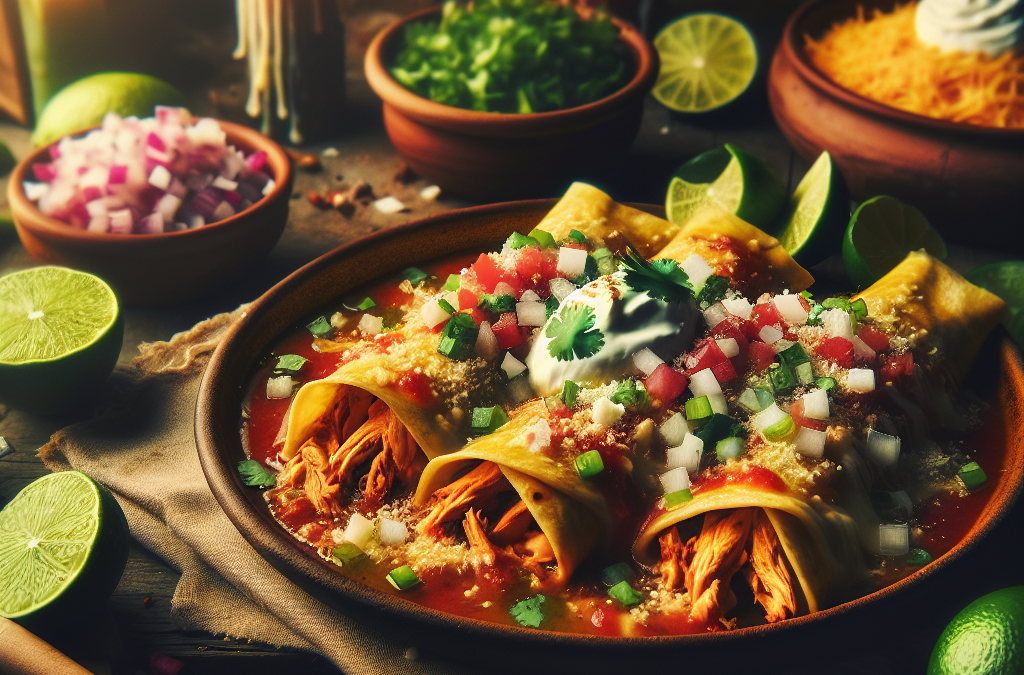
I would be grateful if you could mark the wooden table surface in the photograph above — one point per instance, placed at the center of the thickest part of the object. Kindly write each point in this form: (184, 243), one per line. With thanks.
(136, 622)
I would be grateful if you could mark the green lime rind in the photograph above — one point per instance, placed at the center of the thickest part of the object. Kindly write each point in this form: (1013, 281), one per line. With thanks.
(817, 215)
(730, 178)
(708, 60)
(50, 362)
(63, 547)
(880, 234)
(1005, 279)
(82, 104)
(985, 638)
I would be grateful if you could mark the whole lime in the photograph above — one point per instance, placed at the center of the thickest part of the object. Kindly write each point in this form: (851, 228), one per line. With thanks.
(83, 104)
(986, 638)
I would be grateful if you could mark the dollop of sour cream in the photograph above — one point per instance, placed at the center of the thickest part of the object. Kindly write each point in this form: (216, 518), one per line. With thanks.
(990, 26)
(628, 320)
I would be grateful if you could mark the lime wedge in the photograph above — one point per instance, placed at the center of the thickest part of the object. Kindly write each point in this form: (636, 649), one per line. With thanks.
(1005, 279)
(63, 547)
(881, 233)
(818, 212)
(731, 179)
(60, 334)
(707, 60)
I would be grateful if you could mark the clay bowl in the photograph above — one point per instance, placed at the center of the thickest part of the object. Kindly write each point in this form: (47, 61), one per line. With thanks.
(487, 156)
(161, 269)
(968, 180)
(912, 611)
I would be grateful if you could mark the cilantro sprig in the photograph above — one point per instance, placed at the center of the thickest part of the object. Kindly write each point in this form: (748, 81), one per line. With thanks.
(661, 279)
(573, 333)
(253, 473)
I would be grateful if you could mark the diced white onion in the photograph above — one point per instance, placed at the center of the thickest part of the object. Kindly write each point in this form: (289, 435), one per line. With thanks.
(388, 204)
(512, 366)
(561, 288)
(714, 315)
(704, 382)
(740, 307)
(791, 309)
(675, 480)
(529, 296)
(860, 380)
(430, 193)
(770, 334)
(861, 349)
(503, 288)
(729, 347)
(223, 210)
(531, 313)
(519, 390)
(697, 269)
(222, 183)
(269, 187)
(392, 532)
(646, 361)
(893, 539)
(160, 177)
(572, 262)
(768, 417)
(607, 413)
(35, 191)
(486, 346)
(883, 449)
(816, 404)
(538, 435)
(686, 454)
(452, 298)
(370, 324)
(359, 530)
(718, 404)
(674, 429)
(782, 345)
(167, 206)
(809, 442)
(837, 323)
(433, 314)
(279, 387)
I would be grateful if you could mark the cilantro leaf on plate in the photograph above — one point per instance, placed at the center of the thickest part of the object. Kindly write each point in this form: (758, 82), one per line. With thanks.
(253, 473)
(574, 333)
(529, 612)
(661, 279)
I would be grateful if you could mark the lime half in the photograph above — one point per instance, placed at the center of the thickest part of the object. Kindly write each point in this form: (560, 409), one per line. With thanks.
(729, 178)
(63, 547)
(1005, 279)
(707, 60)
(60, 334)
(818, 212)
(882, 231)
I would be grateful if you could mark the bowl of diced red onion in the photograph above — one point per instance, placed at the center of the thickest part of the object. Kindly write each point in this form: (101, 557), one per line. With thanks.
(162, 208)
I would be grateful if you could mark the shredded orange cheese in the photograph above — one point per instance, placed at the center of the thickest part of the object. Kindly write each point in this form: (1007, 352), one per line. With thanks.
(881, 59)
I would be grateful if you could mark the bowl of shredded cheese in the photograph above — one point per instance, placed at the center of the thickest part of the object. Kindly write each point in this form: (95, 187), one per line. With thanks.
(919, 100)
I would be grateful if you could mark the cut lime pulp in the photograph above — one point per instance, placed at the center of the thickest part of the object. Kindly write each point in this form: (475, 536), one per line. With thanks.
(818, 212)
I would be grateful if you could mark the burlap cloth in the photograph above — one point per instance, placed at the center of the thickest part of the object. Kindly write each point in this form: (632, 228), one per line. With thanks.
(141, 446)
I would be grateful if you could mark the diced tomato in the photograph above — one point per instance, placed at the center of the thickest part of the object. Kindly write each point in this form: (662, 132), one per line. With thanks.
(487, 273)
(761, 355)
(767, 314)
(705, 354)
(467, 299)
(724, 371)
(665, 384)
(507, 331)
(728, 329)
(549, 264)
(749, 329)
(569, 243)
(896, 365)
(837, 350)
(529, 263)
(874, 338)
(416, 387)
(477, 314)
(796, 410)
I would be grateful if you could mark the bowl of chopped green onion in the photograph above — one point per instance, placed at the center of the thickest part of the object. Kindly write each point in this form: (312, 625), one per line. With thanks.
(510, 98)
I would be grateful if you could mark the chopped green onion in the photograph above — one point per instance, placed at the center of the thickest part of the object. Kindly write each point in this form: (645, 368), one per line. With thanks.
(453, 283)
(859, 308)
(605, 260)
(807, 295)
(836, 303)
(698, 410)
(813, 316)
(918, 557)
(488, 420)
(673, 500)
(570, 390)
(445, 305)
(632, 394)
(414, 276)
(718, 427)
(366, 304)
(577, 237)
(972, 475)
(403, 578)
(781, 377)
(499, 304)
(320, 327)
(543, 238)
(781, 430)
(346, 554)
(804, 373)
(729, 448)
(826, 383)
(517, 240)
(748, 401)
(289, 362)
(625, 594)
(529, 612)
(589, 464)
(458, 337)
(764, 397)
(794, 355)
(618, 573)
